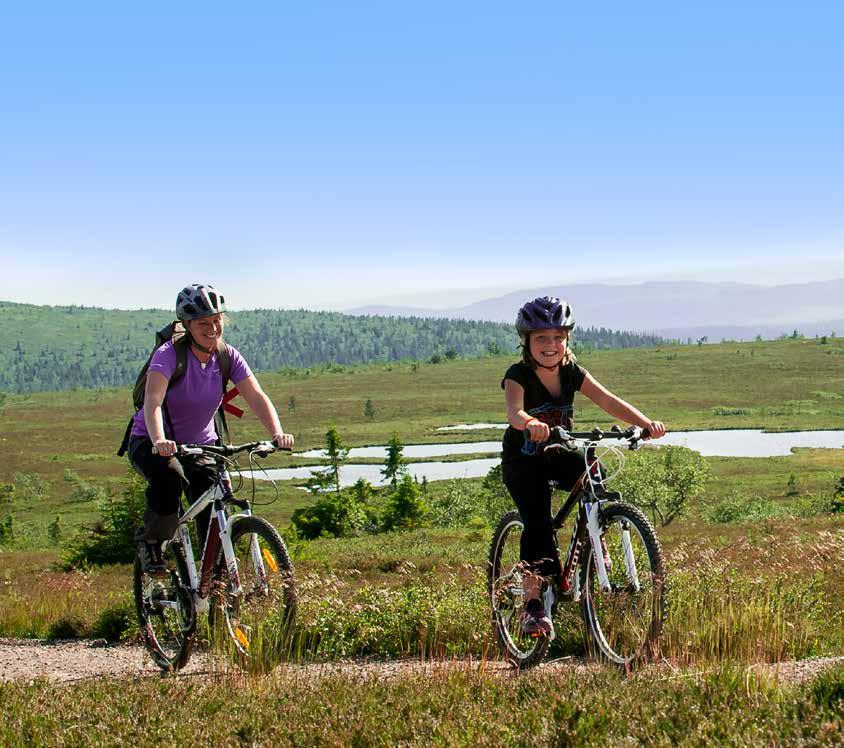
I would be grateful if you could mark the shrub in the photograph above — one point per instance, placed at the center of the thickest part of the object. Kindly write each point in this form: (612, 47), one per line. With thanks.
(817, 505)
(459, 504)
(54, 530)
(496, 497)
(663, 480)
(68, 627)
(463, 503)
(7, 529)
(736, 509)
(30, 486)
(114, 622)
(406, 509)
(332, 514)
(112, 539)
(721, 410)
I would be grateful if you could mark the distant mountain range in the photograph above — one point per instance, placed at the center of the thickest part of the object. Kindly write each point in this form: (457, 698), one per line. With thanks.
(686, 309)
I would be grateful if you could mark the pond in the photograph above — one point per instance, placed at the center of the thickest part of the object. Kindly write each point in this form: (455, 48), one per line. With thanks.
(349, 474)
(720, 443)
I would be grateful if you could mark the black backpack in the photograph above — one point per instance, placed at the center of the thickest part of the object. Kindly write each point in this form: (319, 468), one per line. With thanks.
(175, 331)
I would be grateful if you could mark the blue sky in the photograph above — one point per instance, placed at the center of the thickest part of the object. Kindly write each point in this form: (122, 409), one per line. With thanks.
(324, 155)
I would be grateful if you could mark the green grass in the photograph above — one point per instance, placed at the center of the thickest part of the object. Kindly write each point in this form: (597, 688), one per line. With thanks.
(441, 706)
(762, 583)
(48, 433)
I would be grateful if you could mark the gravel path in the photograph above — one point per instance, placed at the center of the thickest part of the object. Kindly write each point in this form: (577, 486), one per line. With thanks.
(68, 661)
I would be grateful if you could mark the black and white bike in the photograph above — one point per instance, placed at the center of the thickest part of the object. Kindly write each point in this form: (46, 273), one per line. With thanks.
(614, 566)
(243, 579)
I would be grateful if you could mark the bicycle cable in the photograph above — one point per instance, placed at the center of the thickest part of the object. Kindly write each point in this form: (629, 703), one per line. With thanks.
(601, 450)
(256, 467)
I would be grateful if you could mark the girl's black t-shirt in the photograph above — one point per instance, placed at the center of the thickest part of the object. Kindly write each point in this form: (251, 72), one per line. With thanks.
(541, 405)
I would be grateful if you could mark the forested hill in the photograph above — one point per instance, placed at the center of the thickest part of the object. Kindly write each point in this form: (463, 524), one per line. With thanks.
(56, 348)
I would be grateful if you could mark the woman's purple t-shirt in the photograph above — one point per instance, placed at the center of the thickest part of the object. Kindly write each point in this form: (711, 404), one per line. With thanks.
(194, 399)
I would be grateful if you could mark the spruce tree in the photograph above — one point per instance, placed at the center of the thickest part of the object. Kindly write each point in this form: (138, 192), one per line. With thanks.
(395, 464)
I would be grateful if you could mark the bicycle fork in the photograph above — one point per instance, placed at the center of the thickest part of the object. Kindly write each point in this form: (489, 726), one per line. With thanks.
(593, 525)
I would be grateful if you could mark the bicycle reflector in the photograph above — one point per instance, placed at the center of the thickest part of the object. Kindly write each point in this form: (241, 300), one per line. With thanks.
(268, 557)
(241, 637)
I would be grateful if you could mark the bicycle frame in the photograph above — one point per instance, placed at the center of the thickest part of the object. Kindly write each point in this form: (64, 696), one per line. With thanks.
(219, 532)
(590, 494)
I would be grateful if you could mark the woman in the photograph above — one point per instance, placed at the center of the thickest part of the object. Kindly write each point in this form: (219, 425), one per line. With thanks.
(539, 394)
(188, 407)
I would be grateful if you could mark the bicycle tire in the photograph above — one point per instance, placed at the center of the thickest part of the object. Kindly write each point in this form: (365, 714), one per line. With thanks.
(506, 598)
(165, 610)
(258, 624)
(624, 624)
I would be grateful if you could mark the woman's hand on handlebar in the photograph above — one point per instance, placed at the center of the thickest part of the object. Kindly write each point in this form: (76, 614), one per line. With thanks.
(283, 441)
(164, 448)
(537, 430)
(655, 429)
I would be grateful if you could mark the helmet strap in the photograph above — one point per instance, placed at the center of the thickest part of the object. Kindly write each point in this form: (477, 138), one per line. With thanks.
(197, 345)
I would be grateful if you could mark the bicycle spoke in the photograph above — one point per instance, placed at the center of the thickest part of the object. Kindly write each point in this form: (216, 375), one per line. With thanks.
(507, 595)
(256, 621)
(165, 610)
(624, 620)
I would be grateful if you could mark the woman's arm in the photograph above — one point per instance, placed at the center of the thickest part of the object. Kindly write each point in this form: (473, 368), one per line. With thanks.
(262, 406)
(619, 408)
(156, 389)
(514, 397)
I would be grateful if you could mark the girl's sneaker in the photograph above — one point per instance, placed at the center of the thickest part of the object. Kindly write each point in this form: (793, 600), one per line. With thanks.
(535, 621)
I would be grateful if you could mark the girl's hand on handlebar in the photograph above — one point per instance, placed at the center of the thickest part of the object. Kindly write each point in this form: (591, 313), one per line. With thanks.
(164, 448)
(656, 429)
(537, 431)
(283, 441)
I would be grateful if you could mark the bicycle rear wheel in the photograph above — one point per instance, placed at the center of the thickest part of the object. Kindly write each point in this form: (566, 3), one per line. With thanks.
(506, 595)
(165, 609)
(624, 623)
(257, 623)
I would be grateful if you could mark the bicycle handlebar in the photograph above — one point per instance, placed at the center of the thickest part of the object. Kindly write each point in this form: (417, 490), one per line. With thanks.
(632, 434)
(262, 449)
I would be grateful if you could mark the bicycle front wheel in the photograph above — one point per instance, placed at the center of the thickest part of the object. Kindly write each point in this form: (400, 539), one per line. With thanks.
(165, 609)
(258, 621)
(624, 622)
(506, 594)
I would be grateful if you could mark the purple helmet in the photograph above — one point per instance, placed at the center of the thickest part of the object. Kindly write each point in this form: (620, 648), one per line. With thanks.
(544, 312)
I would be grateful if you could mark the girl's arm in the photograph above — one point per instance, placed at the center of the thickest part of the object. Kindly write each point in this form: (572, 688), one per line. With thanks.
(514, 397)
(619, 408)
(262, 406)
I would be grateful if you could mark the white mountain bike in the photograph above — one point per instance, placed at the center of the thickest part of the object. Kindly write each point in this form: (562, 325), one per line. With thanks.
(244, 579)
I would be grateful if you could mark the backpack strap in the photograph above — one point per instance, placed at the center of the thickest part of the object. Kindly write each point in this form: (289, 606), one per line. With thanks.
(175, 331)
(181, 345)
(222, 427)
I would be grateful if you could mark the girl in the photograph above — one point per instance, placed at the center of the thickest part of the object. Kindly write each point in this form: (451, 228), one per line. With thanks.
(539, 392)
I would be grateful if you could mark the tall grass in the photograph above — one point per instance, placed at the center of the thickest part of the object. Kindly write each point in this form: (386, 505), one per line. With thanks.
(750, 600)
(429, 706)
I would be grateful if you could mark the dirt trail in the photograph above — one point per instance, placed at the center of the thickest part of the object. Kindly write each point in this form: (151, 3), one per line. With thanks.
(68, 661)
